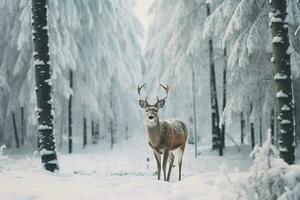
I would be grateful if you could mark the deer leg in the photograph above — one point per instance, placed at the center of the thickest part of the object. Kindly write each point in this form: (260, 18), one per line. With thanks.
(180, 155)
(158, 162)
(165, 159)
(171, 160)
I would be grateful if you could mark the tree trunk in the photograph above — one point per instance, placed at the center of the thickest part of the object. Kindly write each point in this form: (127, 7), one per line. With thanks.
(126, 132)
(194, 110)
(216, 133)
(15, 130)
(242, 127)
(97, 133)
(23, 135)
(260, 132)
(70, 114)
(93, 132)
(224, 99)
(111, 135)
(45, 110)
(272, 126)
(62, 124)
(283, 83)
(252, 135)
(84, 133)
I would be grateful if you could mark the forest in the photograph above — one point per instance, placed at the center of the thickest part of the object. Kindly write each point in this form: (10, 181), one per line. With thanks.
(100, 98)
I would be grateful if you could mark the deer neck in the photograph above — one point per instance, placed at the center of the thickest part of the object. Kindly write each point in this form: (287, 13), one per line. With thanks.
(154, 133)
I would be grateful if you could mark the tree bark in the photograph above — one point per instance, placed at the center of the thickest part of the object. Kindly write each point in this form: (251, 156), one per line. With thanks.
(70, 115)
(84, 133)
(283, 83)
(242, 127)
(15, 130)
(224, 99)
(194, 110)
(23, 135)
(260, 132)
(97, 133)
(93, 132)
(45, 112)
(216, 133)
(252, 135)
(272, 126)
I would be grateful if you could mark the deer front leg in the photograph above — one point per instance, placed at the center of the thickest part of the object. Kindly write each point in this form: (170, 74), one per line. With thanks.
(180, 155)
(165, 159)
(171, 160)
(158, 162)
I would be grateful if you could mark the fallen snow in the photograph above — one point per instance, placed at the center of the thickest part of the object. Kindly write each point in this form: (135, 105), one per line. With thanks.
(97, 172)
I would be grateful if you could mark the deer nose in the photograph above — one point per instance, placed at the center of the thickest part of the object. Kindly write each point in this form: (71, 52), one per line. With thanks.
(150, 117)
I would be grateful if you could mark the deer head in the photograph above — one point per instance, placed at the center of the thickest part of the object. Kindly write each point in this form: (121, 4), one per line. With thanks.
(152, 110)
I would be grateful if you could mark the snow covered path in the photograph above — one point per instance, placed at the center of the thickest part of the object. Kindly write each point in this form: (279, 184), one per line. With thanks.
(97, 173)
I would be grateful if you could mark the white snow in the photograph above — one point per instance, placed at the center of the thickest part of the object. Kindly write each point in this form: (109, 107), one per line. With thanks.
(282, 131)
(280, 76)
(96, 172)
(285, 108)
(277, 39)
(281, 94)
(283, 149)
(38, 62)
(44, 127)
(45, 152)
(285, 121)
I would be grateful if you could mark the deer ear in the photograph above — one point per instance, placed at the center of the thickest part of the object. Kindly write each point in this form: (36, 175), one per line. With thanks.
(160, 104)
(143, 103)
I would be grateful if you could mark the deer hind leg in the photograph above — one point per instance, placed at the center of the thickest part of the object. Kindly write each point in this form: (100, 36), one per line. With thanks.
(180, 155)
(158, 162)
(171, 161)
(165, 159)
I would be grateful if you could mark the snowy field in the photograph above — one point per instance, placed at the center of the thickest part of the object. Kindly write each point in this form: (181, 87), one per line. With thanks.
(98, 173)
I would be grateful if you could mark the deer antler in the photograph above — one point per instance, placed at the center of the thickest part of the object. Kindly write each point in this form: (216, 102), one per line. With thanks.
(166, 88)
(139, 93)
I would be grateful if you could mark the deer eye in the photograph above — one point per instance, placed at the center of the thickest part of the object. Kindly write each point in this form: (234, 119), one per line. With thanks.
(155, 110)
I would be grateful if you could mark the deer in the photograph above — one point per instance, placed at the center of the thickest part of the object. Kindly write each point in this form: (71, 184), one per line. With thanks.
(164, 136)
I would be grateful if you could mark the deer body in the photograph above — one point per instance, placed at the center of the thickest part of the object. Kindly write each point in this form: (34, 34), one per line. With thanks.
(164, 136)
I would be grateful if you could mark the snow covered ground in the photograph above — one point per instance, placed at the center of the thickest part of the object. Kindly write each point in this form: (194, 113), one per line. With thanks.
(98, 173)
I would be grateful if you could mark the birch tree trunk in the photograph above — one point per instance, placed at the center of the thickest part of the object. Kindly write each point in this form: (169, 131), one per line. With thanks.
(283, 83)
(45, 112)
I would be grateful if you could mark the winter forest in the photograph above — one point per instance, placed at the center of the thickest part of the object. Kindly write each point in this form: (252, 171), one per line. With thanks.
(150, 99)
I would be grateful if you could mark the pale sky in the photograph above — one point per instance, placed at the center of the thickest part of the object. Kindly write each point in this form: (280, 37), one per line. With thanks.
(141, 9)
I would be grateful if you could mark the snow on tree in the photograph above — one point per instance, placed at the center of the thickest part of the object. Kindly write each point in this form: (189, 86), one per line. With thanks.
(283, 79)
(244, 28)
(41, 61)
(268, 178)
(94, 39)
(172, 50)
